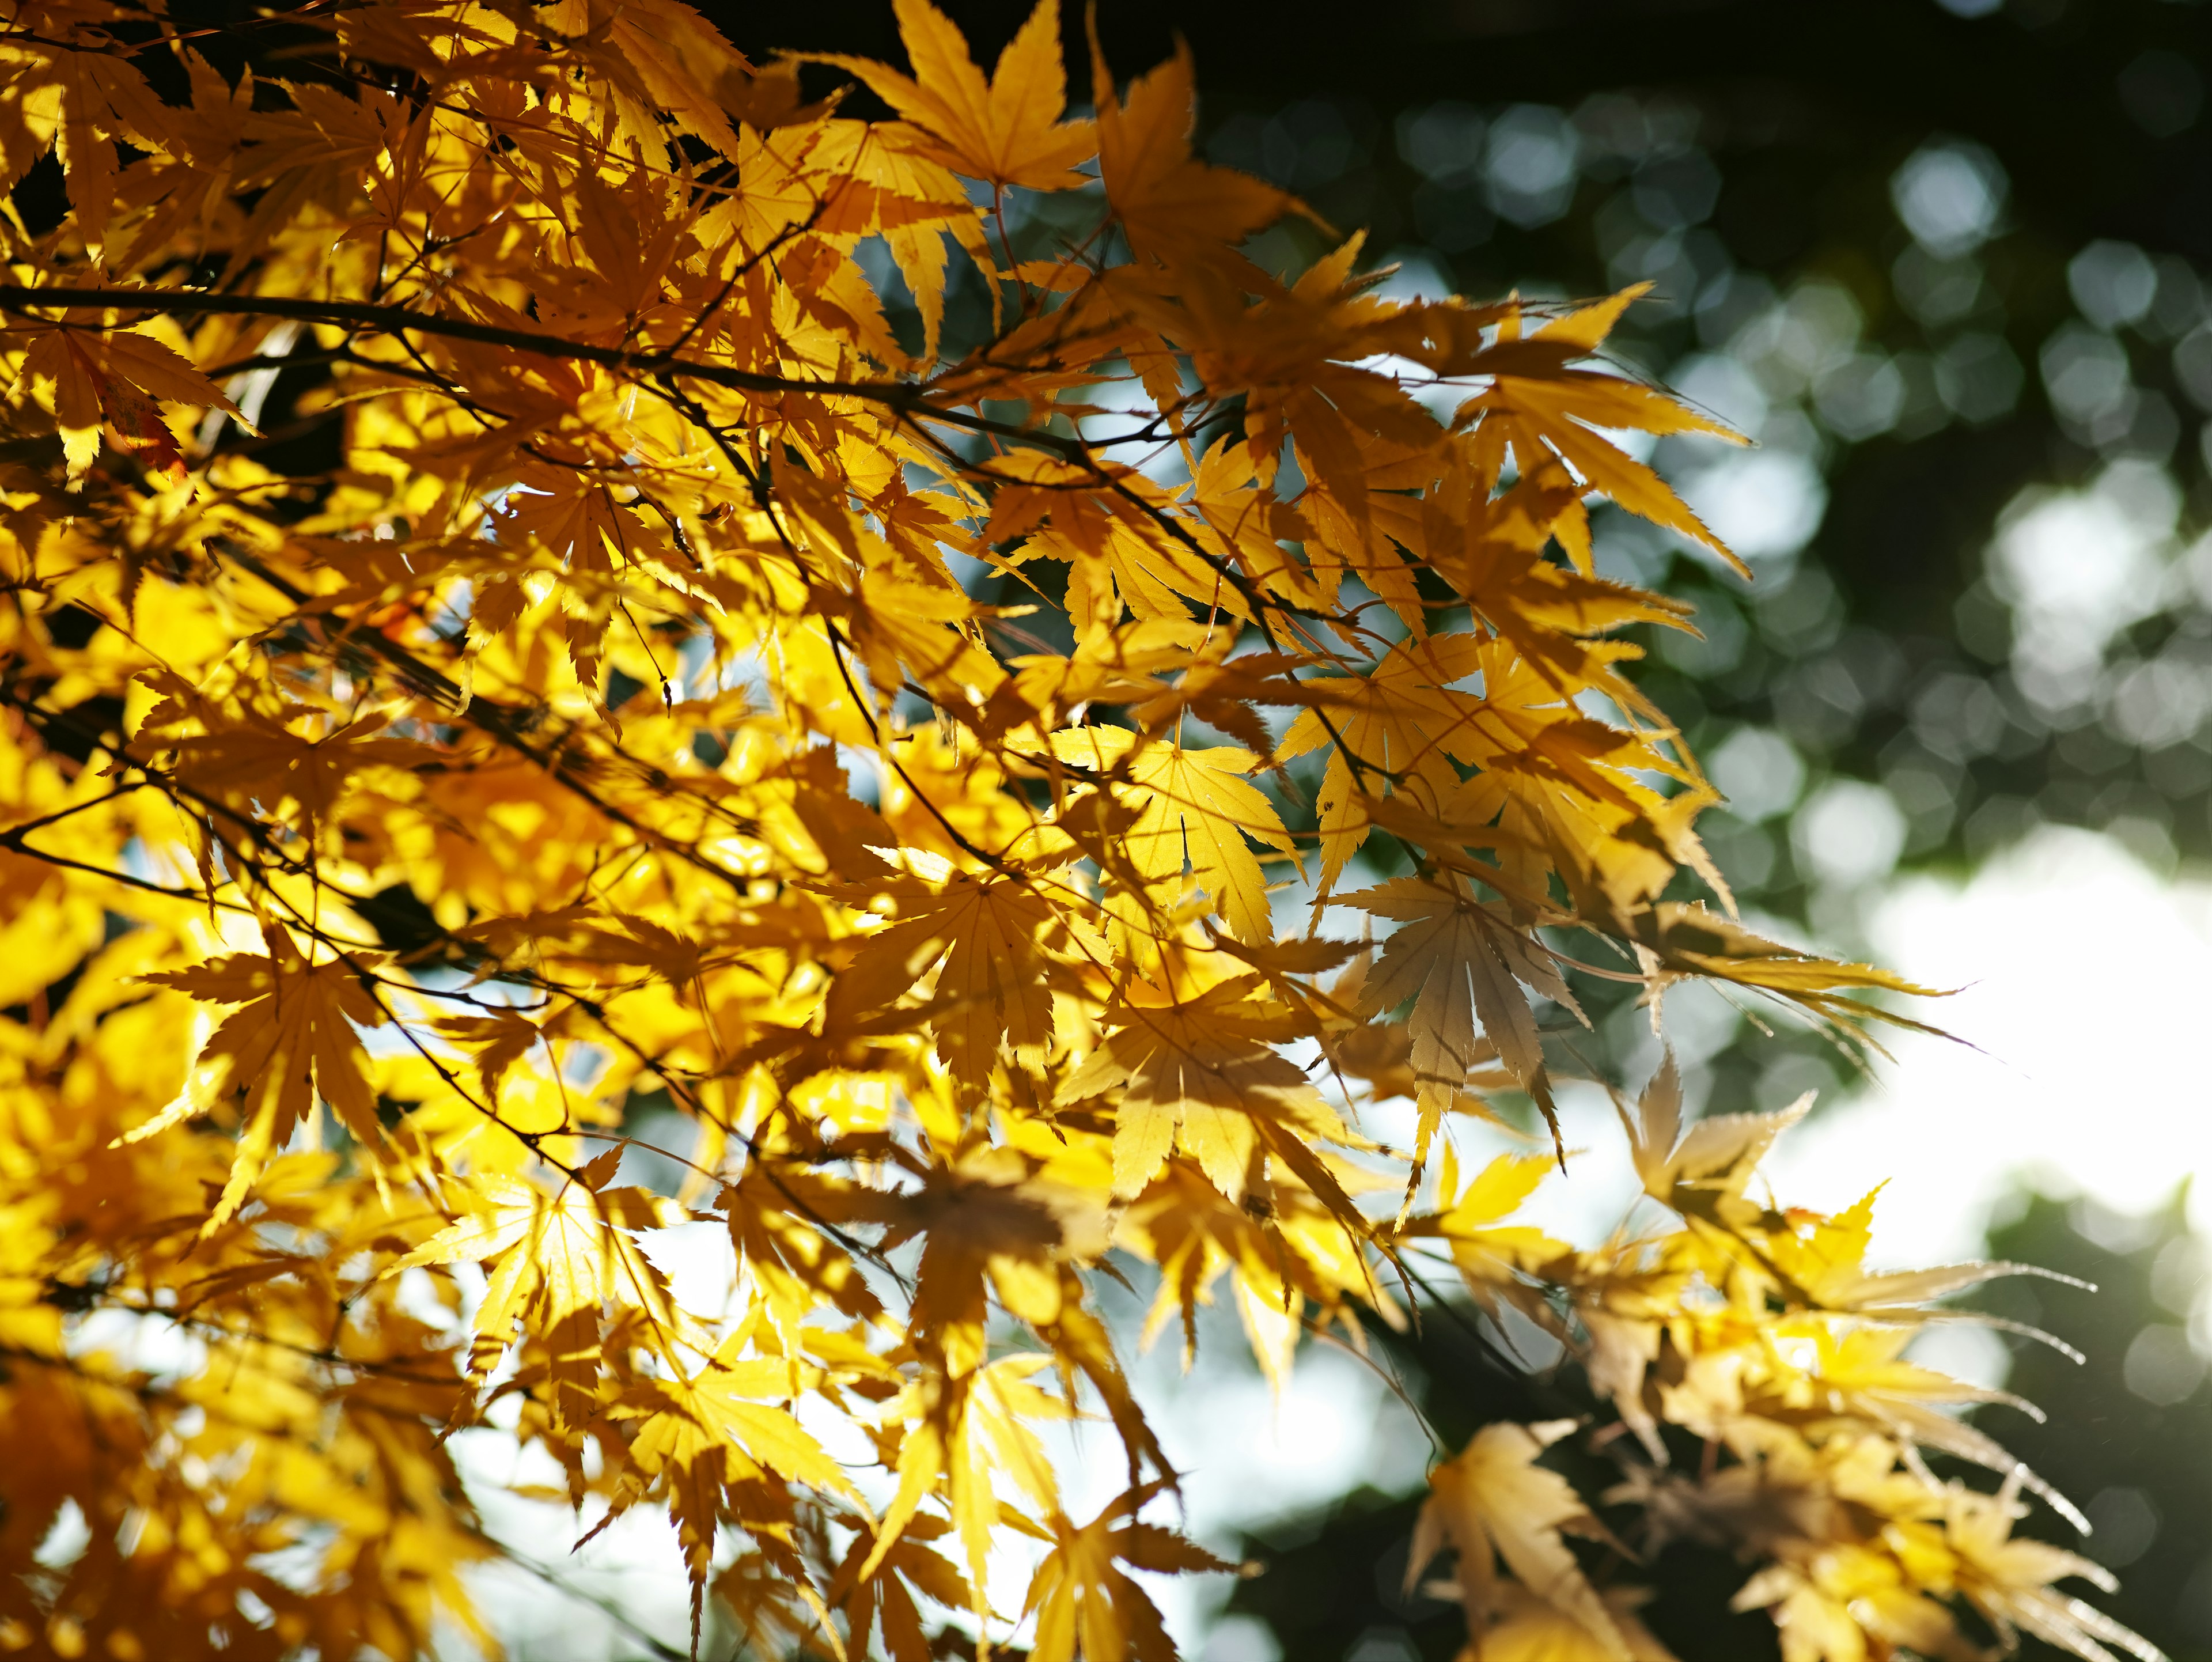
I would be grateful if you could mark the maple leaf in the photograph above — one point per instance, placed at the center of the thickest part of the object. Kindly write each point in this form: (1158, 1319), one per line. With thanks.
(994, 941)
(1530, 1628)
(711, 1432)
(1491, 1255)
(1195, 807)
(2010, 1581)
(965, 1427)
(1703, 1172)
(1008, 131)
(1184, 1077)
(1862, 1367)
(1823, 1261)
(1171, 205)
(1460, 961)
(1084, 1603)
(886, 1599)
(789, 1229)
(1554, 414)
(1847, 1601)
(1692, 939)
(290, 1042)
(118, 379)
(99, 96)
(1493, 1502)
(684, 65)
(1492, 550)
(559, 1256)
(1297, 1250)
(263, 757)
(1397, 728)
(988, 1216)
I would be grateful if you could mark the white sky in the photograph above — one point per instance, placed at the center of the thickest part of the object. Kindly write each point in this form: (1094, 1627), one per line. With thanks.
(2085, 980)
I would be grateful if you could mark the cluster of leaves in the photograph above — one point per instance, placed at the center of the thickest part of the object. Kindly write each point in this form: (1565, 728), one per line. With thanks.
(1929, 387)
(1761, 1334)
(398, 845)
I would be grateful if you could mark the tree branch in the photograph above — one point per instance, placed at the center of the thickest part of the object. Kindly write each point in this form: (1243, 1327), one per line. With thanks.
(907, 397)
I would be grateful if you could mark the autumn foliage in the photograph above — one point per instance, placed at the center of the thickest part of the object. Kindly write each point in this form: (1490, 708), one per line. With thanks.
(497, 710)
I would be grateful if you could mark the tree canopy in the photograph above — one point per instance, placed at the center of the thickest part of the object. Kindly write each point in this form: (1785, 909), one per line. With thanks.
(504, 759)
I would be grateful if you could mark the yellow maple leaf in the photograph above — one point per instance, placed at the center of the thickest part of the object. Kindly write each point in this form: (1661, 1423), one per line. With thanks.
(993, 941)
(560, 1255)
(1171, 205)
(1196, 807)
(1396, 729)
(1491, 1502)
(290, 1041)
(965, 1427)
(1084, 1603)
(1461, 962)
(1007, 131)
(1702, 1173)
(116, 379)
(2010, 1581)
(1184, 1077)
(1491, 1254)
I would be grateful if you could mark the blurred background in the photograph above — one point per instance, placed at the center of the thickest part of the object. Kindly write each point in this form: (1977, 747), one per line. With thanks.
(1949, 263)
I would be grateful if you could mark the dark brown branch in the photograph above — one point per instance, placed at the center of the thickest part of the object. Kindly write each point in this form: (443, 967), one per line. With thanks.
(909, 398)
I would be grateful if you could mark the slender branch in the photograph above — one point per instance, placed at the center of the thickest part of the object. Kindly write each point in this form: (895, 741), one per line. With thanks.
(909, 398)
(614, 1612)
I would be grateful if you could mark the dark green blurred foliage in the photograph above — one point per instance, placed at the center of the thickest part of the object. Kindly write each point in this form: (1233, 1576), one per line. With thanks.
(2129, 1435)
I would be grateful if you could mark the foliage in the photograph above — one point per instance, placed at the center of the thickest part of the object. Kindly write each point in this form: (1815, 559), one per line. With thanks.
(427, 814)
(1921, 633)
